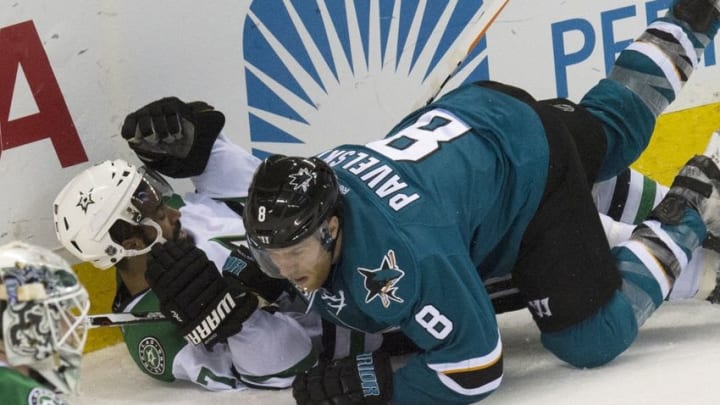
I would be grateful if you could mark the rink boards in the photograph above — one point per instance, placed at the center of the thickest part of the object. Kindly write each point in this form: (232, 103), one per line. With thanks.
(292, 77)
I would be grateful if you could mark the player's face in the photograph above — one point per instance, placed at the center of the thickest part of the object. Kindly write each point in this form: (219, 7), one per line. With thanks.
(150, 199)
(169, 220)
(306, 264)
(167, 217)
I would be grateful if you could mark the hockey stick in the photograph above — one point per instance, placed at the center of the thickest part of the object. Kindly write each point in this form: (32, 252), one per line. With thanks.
(123, 319)
(484, 21)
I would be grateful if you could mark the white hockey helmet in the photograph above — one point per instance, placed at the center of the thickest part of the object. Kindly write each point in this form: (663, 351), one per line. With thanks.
(43, 311)
(92, 202)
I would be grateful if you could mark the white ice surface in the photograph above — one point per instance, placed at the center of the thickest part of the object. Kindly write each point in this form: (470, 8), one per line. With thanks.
(675, 360)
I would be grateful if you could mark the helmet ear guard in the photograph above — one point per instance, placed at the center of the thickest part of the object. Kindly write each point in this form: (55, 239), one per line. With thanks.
(326, 239)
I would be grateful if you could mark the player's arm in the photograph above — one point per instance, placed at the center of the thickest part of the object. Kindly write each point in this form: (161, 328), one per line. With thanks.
(461, 351)
(210, 308)
(259, 358)
(160, 351)
(272, 346)
(173, 137)
(270, 350)
(227, 161)
(461, 355)
(180, 139)
(206, 306)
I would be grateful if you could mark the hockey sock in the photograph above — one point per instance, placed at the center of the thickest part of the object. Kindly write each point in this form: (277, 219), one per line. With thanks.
(654, 257)
(659, 62)
(629, 197)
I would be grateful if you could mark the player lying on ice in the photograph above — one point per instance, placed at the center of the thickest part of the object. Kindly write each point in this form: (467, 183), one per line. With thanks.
(43, 313)
(482, 183)
(112, 213)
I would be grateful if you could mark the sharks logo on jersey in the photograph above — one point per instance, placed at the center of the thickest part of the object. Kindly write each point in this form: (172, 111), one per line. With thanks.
(381, 282)
(316, 70)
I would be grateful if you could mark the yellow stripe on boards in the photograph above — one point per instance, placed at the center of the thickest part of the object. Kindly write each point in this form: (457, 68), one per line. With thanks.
(101, 288)
(678, 136)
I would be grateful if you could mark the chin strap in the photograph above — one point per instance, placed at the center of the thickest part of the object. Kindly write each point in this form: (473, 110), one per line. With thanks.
(159, 238)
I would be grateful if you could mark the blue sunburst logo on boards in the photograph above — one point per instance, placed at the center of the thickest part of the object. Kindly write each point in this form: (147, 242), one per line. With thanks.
(320, 73)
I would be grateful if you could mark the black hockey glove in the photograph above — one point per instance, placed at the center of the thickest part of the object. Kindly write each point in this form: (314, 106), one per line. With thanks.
(242, 265)
(207, 307)
(173, 137)
(362, 379)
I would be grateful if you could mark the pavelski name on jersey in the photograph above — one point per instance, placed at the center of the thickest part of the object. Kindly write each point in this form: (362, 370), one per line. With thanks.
(378, 176)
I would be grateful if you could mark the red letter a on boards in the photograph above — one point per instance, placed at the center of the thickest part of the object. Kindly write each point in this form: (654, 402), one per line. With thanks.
(21, 46)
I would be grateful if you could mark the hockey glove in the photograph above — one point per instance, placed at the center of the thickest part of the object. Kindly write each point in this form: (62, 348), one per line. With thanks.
(173, 137)
(206, 307)
(363, 379)
(243, 266)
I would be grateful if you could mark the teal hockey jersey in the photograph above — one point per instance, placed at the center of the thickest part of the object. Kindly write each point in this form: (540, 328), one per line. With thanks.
(430, 211)
(443, 184)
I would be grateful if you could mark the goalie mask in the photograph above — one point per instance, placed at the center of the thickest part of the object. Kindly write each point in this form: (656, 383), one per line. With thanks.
(43, 312)
(91, 203)
(289, 202)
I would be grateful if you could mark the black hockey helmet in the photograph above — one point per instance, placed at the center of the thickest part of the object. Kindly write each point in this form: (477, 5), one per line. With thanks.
(289, 198)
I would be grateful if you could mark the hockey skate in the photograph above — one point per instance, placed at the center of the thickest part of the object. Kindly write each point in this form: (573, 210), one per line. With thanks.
(714, 296)
(697, 186)
(710, 174)
(710, 281)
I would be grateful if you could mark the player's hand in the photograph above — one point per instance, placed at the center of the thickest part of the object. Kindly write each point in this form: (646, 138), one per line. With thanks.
(173, 137)
(161, 128)
(340, 382)
(206, 307)
(247, 272)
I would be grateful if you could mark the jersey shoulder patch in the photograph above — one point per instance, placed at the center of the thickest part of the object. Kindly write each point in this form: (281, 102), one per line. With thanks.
(384, 283)
(43, 396)
(153, 346)
(381, 282)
